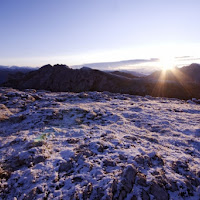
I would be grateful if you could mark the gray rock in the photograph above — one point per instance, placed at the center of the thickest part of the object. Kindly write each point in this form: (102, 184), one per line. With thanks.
(100, 148)
(141, 179)
(73, 140)
(37, 97)
(193, 180)
(157, 160)
(180, 167)
(128, 180)
(189, 188)
(158, 191)
(109, 163)
(39, 159)
(122, 157)
(172, 186)
(131, 138)
(77, 179)
(114, 187)
(4, 112)
(143, 161)
(65, 166)
(17, 118)
(145, 195)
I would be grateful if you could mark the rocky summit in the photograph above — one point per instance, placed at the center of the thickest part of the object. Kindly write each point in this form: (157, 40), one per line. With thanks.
(97, 145)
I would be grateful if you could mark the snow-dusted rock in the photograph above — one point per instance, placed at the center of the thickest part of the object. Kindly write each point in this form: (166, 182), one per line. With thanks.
(128, 177)
(4, 112)
(158, 192)
(95, 145)
(66, 166)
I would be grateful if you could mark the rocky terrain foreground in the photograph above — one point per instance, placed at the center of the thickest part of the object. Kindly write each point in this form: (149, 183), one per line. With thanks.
(98, 145)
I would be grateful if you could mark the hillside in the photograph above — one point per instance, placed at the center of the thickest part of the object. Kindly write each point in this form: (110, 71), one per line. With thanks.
(59, 78)
(189, 73)
(123, 74)
(7, 72)
(181, 83)
(98, 146)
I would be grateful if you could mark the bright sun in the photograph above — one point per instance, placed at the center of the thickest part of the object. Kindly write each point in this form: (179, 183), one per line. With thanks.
(167, 63)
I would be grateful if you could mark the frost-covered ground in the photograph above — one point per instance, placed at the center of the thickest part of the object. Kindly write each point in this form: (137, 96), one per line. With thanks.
(98, 146)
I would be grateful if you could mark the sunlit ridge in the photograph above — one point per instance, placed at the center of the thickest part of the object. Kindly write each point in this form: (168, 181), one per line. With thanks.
(169, 75)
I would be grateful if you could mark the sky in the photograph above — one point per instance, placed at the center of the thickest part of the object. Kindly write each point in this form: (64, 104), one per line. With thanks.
(76, 32)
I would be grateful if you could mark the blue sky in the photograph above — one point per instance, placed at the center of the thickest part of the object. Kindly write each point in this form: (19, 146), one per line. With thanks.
(36, 32)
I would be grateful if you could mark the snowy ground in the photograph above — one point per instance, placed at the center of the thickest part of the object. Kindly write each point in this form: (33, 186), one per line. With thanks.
(98, 146)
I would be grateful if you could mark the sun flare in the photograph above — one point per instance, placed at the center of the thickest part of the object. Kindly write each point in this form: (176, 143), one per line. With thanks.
(167, 63)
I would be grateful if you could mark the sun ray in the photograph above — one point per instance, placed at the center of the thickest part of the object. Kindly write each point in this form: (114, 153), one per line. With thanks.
(170, 81)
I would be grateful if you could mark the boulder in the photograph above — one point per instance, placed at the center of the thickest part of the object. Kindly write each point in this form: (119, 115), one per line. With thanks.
(158, 191)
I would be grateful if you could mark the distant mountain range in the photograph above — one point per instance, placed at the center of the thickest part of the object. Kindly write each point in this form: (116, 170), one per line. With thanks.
(189, 73)
(127, 73)
(125, 64)
(184, 83)
(5, 71)
(123, 74)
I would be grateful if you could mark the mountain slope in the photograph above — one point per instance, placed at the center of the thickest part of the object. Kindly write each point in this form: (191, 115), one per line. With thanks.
(6, 72)
(63, 78)
(189, 73)
(124, 74)
(183, 82)
(180, 83)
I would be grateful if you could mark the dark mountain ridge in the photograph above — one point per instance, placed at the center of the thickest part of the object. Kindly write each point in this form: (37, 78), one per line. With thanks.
(59, 78)
(183, 83)
(189, 73)
(6, 72)
(123, 74)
